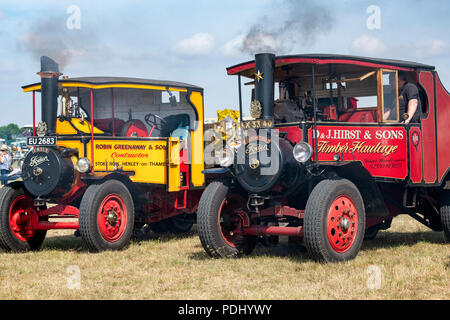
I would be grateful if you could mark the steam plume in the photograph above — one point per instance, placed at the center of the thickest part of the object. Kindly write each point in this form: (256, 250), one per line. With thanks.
(52, 38)
(303, 22)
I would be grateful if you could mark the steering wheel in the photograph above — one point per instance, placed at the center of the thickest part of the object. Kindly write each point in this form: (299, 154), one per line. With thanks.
(155, 122)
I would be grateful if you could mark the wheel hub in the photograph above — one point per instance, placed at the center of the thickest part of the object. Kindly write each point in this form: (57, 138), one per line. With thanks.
(342, 224)
(112, 217)
(345, 224)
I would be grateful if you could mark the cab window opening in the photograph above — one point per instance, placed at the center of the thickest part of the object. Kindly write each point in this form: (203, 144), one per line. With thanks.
(133, 112)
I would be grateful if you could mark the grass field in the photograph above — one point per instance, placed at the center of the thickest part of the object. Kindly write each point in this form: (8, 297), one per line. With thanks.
(405, 262)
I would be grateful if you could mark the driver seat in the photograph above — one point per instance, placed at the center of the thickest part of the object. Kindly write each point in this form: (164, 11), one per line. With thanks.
(176, 122)
(134, 128)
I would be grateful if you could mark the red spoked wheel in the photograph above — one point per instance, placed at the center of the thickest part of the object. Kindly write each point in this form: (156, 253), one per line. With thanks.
(106, 216)
(20, 209)
(229, 220)
(16, 216)
(334, 221)
(342, 224)
(112, 217)
(218, 218)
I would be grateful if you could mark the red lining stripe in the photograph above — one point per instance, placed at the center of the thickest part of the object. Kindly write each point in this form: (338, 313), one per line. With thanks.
(235, 70)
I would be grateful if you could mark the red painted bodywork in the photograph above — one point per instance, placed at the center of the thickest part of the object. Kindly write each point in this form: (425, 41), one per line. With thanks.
(293, 134)
(443, 124)
(382, 150)
(415, 155)
(429, 130)
(365, 116)
(251, 65)
(257, 230)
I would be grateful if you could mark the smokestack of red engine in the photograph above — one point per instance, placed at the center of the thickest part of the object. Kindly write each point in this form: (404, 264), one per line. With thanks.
(49, 92)
(265, 64)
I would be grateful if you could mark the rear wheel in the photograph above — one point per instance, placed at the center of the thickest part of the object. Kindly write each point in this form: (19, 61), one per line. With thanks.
(445, 214)
(334, 221)
(106, 216)
(218, 219)
(16, 208)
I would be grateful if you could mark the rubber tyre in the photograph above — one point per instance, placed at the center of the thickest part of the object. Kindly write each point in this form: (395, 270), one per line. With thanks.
(89, 215)
(445, 214)
(318, 207)
(8, 241)
(208, 225)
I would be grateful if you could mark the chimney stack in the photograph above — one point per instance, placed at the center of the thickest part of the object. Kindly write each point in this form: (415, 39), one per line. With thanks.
(264, 66)
(49, 92)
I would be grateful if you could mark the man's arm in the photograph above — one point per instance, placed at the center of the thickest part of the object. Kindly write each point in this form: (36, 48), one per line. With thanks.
(412, 96)
(386, 115)
(412, 108)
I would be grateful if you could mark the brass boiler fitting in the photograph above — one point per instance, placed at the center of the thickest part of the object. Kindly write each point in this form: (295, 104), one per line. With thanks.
(66, 103)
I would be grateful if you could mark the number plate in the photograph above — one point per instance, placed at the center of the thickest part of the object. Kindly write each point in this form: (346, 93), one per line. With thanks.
(258, 124)
(41, 141)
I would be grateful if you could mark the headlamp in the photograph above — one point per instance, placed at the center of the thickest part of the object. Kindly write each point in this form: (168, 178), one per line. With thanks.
(302, 152)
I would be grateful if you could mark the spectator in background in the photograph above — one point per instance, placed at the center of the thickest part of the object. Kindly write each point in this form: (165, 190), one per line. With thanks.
(5, 164)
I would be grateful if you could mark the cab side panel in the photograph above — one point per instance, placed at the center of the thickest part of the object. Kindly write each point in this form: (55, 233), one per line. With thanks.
(429, 130)
(197, 164)
(443, 134)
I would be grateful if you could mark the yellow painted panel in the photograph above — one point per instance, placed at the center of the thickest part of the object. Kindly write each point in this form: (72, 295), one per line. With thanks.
(174, 164)
(64, 127)
(104, 86)
(147, 158)
(197, 164)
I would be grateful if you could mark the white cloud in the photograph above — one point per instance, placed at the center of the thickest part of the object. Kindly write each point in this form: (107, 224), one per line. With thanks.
(233, 47)
(430, 48)
(368, 45)
(198, 44)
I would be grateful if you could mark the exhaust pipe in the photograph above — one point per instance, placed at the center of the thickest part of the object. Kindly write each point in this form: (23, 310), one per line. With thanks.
(265, 65)
(49, 92)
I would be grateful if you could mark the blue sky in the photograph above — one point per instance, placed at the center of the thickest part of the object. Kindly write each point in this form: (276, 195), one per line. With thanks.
(194, 41)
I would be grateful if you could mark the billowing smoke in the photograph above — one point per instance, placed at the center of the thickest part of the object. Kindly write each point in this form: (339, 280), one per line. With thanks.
(52, 38)
(301, 23)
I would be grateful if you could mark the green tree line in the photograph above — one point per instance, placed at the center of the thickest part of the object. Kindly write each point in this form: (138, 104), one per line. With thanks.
(9, 131)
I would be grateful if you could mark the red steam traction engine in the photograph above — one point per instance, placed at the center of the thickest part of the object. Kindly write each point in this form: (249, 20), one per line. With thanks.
(331, 159)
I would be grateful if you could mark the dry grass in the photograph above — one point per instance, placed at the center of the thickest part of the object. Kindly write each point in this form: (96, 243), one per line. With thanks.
(414, 264)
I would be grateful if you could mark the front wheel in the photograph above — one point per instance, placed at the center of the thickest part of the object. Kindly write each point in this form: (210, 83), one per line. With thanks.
(106, 216)
(218, 220)
(16, 209)
(334, 221)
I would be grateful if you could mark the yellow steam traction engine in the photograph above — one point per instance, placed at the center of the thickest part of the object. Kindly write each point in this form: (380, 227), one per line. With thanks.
(121, 154)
